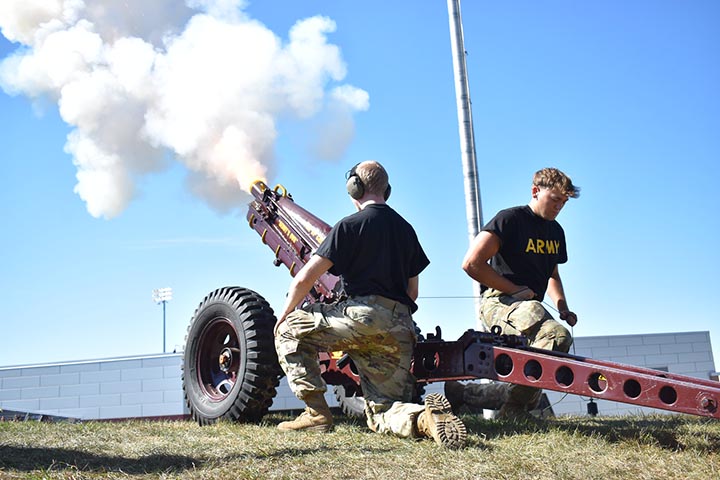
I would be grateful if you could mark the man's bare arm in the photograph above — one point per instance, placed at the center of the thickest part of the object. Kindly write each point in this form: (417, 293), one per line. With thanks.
(303, 282)
(413, 287)
(556, 292)
(484, 247)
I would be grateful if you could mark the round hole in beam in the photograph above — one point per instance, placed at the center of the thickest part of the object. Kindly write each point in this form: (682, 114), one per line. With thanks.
(564, 376)
(668, 395)
(632, 388)
(533, 370)
(431, 362)
(503, 365)
(597, 382)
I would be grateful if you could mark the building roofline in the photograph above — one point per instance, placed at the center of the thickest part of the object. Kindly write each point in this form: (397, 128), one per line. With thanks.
(95, 360)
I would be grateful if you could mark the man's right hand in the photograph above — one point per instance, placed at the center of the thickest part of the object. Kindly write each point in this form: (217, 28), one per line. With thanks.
(523, 293)
(569, 317)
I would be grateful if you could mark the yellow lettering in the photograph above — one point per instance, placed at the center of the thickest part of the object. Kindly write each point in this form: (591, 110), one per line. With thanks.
(530, 246)
(551, 247)
(543, 247)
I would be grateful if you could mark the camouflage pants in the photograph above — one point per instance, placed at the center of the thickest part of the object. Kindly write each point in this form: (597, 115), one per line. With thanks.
(524, 317)
(518, 317)
(378, 337)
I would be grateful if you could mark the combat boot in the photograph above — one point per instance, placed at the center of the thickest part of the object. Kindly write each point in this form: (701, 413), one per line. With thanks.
(439, 423)
(316, 417)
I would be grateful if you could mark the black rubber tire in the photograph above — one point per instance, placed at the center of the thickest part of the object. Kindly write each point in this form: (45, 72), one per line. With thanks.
(240, 323)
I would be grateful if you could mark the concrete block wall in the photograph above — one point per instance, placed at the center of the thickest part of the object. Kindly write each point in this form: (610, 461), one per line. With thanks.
(142, 386)
(686, 353)
(286, 400)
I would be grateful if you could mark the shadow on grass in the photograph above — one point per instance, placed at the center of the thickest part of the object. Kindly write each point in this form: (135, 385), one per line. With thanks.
(44, 458)
(672, 433)
(33, 459)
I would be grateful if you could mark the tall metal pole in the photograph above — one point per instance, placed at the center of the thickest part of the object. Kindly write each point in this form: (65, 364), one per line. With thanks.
(473, 206)
(162, 295)
(164, 302)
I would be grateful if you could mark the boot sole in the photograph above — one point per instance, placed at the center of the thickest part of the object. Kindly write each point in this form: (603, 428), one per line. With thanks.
(451, 431)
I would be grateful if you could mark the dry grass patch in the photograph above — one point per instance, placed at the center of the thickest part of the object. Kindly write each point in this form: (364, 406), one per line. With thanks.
(668, 447)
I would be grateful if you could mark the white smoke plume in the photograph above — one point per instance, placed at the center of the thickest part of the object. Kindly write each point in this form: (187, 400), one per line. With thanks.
(137, 79)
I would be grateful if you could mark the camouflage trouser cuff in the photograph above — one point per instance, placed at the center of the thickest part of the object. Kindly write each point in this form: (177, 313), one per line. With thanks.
(524, 395)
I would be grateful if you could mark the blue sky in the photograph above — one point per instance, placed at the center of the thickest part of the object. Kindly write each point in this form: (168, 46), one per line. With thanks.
(622, 96)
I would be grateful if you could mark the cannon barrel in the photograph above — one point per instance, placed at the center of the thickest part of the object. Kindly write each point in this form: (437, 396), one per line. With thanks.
(291, 232)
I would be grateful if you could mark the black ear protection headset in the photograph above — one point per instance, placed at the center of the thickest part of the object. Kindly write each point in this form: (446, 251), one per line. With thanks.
(355, 186)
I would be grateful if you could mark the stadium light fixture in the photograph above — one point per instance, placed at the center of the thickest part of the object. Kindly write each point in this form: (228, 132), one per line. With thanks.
(162, 296)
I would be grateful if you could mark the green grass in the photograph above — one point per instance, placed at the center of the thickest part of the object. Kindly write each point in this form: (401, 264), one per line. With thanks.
(657, 447)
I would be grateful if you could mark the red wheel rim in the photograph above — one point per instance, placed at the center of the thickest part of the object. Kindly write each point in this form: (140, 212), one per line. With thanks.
(218, 359)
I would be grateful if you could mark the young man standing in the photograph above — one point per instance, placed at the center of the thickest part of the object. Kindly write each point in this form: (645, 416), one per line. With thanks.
(378, 257)
(524, 246)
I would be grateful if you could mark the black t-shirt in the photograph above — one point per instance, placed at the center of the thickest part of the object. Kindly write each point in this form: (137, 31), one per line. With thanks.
(375, 251)
(530, 247)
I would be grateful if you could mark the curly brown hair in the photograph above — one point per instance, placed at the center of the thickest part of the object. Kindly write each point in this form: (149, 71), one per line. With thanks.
(553, 178)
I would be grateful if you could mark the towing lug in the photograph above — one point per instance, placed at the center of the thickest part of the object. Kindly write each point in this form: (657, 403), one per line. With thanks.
(708, 404)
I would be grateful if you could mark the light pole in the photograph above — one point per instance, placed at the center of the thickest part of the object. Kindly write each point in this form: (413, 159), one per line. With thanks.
(162, 295)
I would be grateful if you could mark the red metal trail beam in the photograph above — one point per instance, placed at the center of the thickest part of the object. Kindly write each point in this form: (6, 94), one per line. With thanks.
(469, 358)
(617, 383)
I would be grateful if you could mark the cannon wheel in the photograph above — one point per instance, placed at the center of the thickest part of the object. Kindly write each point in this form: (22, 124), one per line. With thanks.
(230, 368)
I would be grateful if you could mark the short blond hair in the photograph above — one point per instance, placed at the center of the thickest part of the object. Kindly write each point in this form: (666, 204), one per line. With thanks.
(553, 178)
(373, 176)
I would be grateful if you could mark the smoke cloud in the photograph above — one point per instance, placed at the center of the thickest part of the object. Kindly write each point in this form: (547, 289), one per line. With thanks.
(201, 83)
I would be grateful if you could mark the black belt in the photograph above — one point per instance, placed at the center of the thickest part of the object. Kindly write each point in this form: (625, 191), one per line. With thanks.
(388, 303)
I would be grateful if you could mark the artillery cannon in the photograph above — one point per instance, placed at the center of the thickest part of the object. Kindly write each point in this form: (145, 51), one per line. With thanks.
(231, 371)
